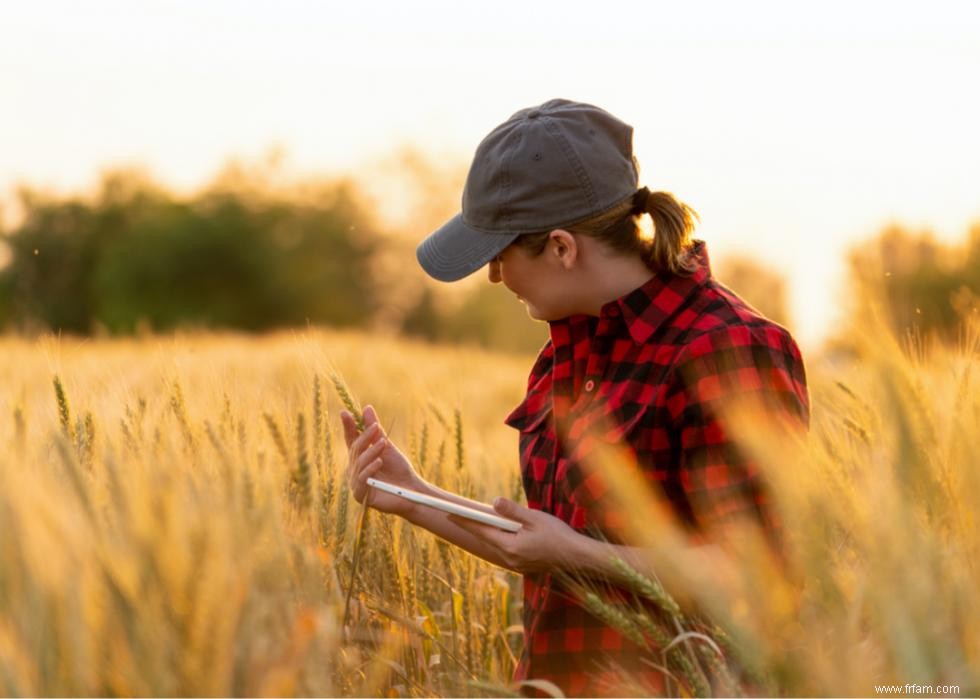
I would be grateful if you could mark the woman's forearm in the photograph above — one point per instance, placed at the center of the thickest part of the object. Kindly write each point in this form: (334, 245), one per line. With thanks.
(438, 522)
(438, 492)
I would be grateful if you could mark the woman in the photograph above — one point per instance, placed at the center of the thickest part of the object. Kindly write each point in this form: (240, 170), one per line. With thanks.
(642, 341)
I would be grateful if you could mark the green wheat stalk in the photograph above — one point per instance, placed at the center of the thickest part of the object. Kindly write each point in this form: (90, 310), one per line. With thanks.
(680, 660)
(613, 616)
(647, 587)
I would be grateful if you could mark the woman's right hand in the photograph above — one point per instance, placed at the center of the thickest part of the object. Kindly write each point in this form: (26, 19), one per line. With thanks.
(371, 455)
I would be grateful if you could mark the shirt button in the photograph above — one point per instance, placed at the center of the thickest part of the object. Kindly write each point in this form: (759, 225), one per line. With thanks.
(589, 385)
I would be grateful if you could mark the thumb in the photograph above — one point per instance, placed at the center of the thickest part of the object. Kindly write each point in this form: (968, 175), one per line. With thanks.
(511, 510)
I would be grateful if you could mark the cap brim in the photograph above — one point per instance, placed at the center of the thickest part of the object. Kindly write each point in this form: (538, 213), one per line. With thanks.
(456, 250)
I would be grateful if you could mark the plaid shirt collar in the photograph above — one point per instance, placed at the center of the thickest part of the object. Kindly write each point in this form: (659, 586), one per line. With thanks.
(647, 307)
(643, 311)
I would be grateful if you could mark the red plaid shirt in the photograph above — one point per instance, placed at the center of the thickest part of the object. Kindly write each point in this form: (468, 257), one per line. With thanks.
(653, 362)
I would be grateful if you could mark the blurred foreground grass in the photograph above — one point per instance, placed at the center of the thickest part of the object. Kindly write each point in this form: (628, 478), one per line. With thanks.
(179, 524)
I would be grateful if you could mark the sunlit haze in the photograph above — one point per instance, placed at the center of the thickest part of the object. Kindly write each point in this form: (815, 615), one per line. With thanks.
(793, 130)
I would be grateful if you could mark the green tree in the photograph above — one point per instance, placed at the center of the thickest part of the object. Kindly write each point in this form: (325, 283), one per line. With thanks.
(924, 285)
(230, 256)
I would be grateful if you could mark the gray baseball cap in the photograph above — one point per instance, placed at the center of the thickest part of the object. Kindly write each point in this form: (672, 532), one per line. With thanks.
(546, 167)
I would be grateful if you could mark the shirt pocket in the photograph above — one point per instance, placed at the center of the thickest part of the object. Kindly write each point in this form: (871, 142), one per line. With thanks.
(583, 479)
(537, 456)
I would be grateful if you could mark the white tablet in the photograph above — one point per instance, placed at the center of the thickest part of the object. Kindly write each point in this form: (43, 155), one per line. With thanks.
(446, 506)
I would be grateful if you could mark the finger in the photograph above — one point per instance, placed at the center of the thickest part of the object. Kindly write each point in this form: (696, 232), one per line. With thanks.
(355, 451)
(467, 524)
(363, 440)
(370, 415)
(350, 427)
(368, 456)
(487, 532)
(511, 510)
(361, 487)
(367, 472)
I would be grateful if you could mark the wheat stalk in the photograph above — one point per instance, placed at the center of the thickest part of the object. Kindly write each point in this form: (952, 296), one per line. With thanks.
(683, 663)
(458, 436)
(362, 525)
(301, 476)
(317, 427)
(423, 446)
(213, 438)
(647, 587)
(468, 616)
(63, 412)
(326, 500)
(277, 437)
(20, 428)
(342, 505)
(179, 408)
(613, 616)
(227, 420)
(388, 553)
(86, 441)
(440, 459)
(351, 404)
(128, 440)
(348, 400)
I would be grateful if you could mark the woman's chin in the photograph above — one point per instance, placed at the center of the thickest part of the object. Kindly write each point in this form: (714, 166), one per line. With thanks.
(534, 314)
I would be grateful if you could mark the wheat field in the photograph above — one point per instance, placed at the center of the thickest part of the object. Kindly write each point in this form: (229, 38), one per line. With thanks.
(174, 521)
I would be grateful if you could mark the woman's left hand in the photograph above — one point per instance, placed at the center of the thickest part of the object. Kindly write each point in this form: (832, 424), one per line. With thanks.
(544, 543)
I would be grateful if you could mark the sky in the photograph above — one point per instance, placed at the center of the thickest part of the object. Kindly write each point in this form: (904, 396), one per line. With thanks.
(793, 129)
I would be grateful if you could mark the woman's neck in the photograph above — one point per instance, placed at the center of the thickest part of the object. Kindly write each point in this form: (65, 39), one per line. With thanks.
(610, 278)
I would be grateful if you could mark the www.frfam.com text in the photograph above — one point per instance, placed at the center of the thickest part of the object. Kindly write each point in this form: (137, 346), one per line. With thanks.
(916, 689)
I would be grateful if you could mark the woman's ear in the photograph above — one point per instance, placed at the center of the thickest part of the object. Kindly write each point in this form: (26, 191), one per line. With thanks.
(564, 247)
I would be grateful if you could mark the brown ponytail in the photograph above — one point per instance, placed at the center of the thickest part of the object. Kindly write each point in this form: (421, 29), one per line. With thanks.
(673, 224)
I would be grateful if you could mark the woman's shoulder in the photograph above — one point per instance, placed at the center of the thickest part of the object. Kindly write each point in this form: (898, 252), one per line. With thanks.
(718, 314)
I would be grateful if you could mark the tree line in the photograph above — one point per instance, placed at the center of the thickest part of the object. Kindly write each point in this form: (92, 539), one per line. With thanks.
(137, 257)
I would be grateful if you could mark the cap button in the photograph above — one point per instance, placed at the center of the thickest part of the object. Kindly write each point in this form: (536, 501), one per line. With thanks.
(534, 114)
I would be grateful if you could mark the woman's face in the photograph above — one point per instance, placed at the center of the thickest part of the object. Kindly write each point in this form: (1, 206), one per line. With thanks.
(537, 281)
